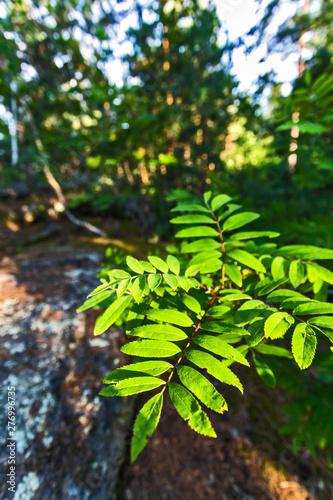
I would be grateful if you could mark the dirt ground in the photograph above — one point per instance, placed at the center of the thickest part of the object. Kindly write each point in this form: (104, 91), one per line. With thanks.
(249, 460)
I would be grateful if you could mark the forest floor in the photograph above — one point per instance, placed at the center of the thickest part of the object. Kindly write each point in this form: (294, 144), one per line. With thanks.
(249, 460)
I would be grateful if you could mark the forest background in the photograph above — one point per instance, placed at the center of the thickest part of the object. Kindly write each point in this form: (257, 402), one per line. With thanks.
(117, 152)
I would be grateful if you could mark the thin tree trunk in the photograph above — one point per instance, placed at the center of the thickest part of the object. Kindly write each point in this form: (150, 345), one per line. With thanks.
(52, 180)
(13, 125)
(292, 159)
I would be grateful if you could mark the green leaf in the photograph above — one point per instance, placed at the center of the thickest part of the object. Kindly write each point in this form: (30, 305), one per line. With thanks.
(203, 257)
(189, 409)
(189, 207)
(138, 288)
(154, 281)
(150, 367)
(234, 274)
(293, 302)
(247, 259)
(196, 231)
(277, 325)
(202, 388)
(171, 280)
(173, 264)
(134, 264)
(119, 274)
(257, 332)
(221, 327)
(100, 289)
(111, 314)
(272, 350)
(122, 287)
(191, 303)
(148, 268)
(249, 310)
(239, 220)
(193, 270)
(263, 370)
(151, 348)
(207, 196)
(234, 295)
(281, 295)
(304, 343)
(279, 268)
(324, 321)
(169, 316)
(267, 285)
(135, 385)
(95, 300)
(214, 367)
(305, 252)
(162, 332)
(220, 347)
(184, 283)
(249, 235)
(200, 246)
(296, 273)
(314, 307)
(219, 201)
(145, 424)
(159, 264)
(192, 219)
(218, 311)
(233, 207)
(322, 272)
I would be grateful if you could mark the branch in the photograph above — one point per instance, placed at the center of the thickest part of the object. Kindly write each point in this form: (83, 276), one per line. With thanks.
(52, 180)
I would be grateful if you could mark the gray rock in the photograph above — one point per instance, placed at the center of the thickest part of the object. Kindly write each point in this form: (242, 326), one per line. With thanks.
(70, 442)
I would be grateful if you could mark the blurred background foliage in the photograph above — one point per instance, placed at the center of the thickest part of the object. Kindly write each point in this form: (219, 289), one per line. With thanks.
(177, 121)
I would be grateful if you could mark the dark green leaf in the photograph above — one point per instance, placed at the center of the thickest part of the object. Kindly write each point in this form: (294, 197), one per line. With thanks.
(314, 307)
(305, 252)
(272, 350)
(249, 310)
(263, 370)
(221, 327)
(145, 424)
(218, 311)
(324, 321)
